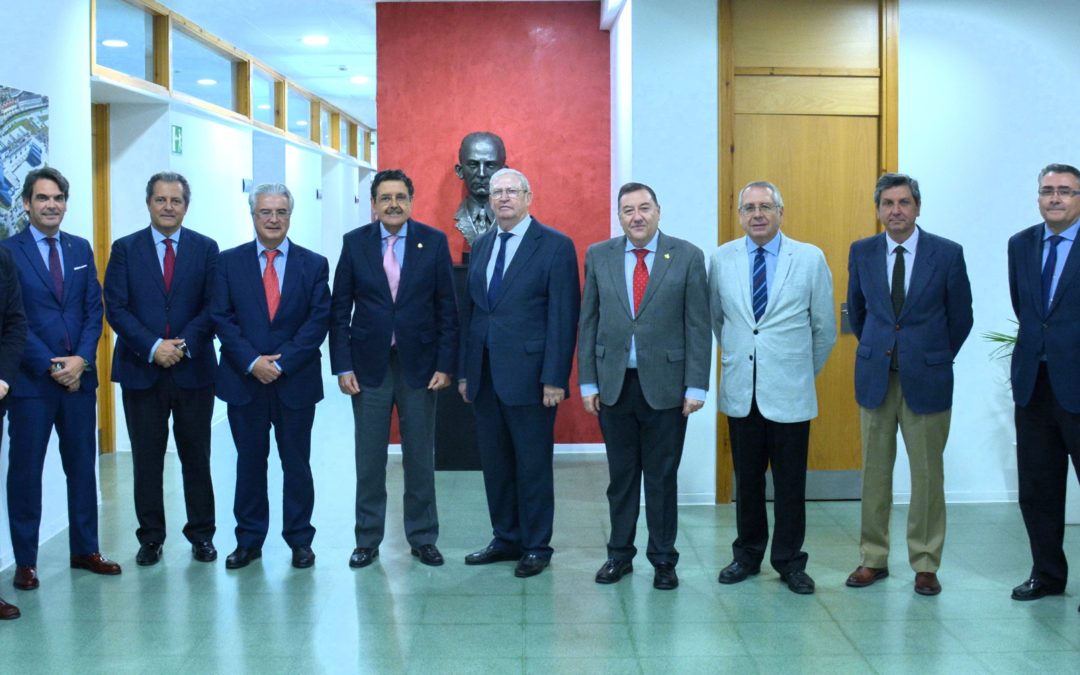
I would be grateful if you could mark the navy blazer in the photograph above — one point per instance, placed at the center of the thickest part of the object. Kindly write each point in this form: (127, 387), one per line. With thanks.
(138, 308)
(12, 321)
(56, 327)
(933, 323)
(530, 329)
(1054, 334)
(244, 328)
(423, 318)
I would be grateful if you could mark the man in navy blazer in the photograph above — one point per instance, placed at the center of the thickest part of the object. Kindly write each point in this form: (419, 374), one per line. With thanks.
(909, 304)
(56, 385)
(520, 324)
(393, 342)
(12, 341)
(1044, 281)
(271, 309)
(157, 299)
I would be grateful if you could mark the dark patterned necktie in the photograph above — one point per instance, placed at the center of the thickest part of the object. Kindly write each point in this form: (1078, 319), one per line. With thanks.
(1048, 272)
(761, 289)
(497, 273)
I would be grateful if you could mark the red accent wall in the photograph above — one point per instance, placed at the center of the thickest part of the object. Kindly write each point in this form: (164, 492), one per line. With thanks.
(536, 74)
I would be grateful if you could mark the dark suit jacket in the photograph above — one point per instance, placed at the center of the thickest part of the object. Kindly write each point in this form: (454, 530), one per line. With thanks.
(138, 308)
(423, 318)
(12, 321)
(530, 329)
(1055, 334)
(246, 332)
(56, 327)
(672, 332)
(933, 323)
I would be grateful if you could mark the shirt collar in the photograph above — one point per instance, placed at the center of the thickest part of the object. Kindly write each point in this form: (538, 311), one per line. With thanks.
(159, 237)
(1069, 233)
(402, 233)
(40, 236)
(909, 245)
(283, 249)
(772, 247)
(519, 229)
(650, 247)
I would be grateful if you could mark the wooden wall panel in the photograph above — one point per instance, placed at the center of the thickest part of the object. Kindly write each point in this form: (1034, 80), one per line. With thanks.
(770, 95)
(801, 33)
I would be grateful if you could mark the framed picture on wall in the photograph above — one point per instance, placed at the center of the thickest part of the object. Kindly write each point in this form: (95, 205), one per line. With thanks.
(24, 146)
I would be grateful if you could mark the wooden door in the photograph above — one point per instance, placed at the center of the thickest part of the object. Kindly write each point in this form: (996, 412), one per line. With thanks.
(808, 101)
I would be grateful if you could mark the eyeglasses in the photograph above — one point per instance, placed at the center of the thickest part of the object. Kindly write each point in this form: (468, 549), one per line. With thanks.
(512, 193)
(266, 214)
(1060, 192)
(390, 199)
(764, 209)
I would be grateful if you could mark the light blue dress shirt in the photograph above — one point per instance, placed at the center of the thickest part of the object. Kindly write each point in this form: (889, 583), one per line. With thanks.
(518, 231)
(399, 245)
(159, 248)
(772, 254)
(1063, 248)
(43, 247)
(279, 267)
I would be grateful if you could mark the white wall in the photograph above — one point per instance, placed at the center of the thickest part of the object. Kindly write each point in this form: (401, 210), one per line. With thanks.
(674, 149)
(53, 61)
(988, 97)
(342, 206)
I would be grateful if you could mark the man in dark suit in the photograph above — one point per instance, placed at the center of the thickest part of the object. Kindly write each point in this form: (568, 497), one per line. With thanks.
(393, 342)
(909, 303)
(643, 364)
(1044, 281)
(157, 299)
(56, 385)
(271, 308)
(12, 341)
(521, 313)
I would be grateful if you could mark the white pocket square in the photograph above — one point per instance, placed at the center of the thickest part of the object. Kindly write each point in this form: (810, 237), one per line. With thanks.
(80, 267)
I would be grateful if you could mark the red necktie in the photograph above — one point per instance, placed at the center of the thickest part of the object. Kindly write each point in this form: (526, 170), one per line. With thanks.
(641, 277)
(56, 270)
(170, 266)
(270, 284)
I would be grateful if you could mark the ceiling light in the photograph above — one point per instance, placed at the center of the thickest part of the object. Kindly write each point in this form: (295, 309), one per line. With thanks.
(301, 123)
(359, 79)
(263, 106)
(315, 40)
(206, 82)
(113, 42)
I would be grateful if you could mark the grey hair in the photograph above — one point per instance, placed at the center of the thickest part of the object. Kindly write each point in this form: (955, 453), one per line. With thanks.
(269, 189)
(768, 186)
(507, 171)
(891, 180)
(1058, 168)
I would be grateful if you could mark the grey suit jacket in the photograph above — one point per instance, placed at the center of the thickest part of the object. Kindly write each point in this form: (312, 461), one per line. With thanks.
(671, 331)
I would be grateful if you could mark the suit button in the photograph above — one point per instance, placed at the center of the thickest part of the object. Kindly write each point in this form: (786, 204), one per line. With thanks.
(751, 357)
(1045, 326)
(897, 326)
(755, 331)
(888, 352)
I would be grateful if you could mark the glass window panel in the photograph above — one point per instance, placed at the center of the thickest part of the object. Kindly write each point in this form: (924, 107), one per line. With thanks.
(125, 39)
(344, 135)
(202, 72)
(262, 96)
(299, 108)
(324, 126)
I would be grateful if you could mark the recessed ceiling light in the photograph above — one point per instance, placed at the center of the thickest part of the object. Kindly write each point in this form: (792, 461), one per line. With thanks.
(315, 40)
(359, 79)
(301, 123)
(112, 42)
(206, 82)
(263, 106)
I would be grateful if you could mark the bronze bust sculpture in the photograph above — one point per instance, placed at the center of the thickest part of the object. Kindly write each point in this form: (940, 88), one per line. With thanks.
(481, 154)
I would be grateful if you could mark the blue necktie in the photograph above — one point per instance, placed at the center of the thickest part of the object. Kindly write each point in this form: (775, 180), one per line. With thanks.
(1048, 272)
(497, 273)
(761, 289)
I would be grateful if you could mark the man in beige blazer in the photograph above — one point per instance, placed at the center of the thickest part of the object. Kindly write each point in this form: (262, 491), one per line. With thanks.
(643, 364)
(772, 311)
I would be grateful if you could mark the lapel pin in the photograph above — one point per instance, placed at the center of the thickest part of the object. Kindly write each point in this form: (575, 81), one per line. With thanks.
(667, 256)
(419, 245)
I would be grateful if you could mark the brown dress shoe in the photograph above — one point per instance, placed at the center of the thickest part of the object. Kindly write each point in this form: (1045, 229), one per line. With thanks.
(26, 578)
(926, 583)
(8, 611)
(864, 576)
(96, 563)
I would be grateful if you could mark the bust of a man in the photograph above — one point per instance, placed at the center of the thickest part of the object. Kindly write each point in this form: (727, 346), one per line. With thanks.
(481, 154)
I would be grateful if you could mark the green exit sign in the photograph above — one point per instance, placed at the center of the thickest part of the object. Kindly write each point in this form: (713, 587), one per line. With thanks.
(177, 140)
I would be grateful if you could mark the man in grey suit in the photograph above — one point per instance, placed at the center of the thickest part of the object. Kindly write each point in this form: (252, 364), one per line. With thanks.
(643, 363)
(772, 311)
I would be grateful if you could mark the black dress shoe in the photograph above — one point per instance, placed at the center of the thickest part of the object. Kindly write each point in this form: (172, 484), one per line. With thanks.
(665, 578)
(490, 554)
(736, 572)
(1033, 589)
(149, 554)
(530, 565)
(96, 563)
(613, 570)
(799, 582)
(428, 554)
(302, 557)
(242, 557)
(204, 551)
(26, 578)
(362, 557)
(8, 611)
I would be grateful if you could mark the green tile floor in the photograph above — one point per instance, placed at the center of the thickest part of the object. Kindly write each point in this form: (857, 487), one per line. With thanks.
(399, 616)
